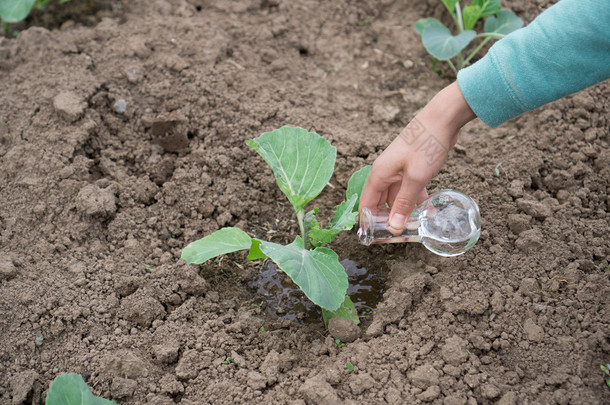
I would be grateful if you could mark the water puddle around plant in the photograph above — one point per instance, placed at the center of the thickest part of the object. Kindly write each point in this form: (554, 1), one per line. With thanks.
(280, 296)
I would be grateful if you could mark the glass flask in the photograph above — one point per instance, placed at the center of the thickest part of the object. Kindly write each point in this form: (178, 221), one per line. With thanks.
(448, 223)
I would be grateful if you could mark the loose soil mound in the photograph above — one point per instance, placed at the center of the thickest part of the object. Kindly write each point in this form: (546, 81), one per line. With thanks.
(98, 196)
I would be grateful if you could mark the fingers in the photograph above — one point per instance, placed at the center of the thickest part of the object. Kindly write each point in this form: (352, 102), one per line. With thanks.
(375, 191)
(404, 203)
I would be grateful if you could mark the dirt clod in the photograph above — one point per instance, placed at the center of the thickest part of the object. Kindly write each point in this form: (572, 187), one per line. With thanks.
(7, 269)
(343, 329)
(69, 105)
(424, 376)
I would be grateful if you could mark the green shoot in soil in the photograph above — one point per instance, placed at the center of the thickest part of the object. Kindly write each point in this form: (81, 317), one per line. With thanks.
(443, 46)
(350, 366)
(71, 389)
(606, 371)
(302, 163)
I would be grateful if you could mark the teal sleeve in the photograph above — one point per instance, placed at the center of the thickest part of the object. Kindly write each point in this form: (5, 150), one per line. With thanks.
(564, 50)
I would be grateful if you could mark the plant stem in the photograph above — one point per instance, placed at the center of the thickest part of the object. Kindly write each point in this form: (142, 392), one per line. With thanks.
(300, 216)
(458, 11)
(477, 49)
(490, 35)
(452, 66)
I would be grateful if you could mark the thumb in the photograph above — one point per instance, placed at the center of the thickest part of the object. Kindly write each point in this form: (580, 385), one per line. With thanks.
(404, 203)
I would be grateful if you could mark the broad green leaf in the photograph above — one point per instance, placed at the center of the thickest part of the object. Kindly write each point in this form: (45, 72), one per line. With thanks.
(488, 7)
(505, 23)
(347, 310)
(423, 23)
(450, 4)
(356, 183)
(302, 162)
(255, 250)
(71, 389)
(317, 272)
(471, 15)
(439, 42)
(225, 240)
(12, 11)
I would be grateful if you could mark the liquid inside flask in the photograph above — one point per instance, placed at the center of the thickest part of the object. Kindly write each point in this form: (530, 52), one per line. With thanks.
(448, 223)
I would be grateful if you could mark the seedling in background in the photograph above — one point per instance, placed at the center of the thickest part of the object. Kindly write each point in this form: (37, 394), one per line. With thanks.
(302, 163)
(14, 11)
(443, 46)
(71, 389)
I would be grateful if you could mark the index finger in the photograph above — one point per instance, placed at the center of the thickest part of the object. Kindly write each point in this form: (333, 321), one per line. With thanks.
(375, 191)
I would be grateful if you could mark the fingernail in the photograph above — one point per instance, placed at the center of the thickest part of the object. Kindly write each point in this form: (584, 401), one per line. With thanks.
(397, 221)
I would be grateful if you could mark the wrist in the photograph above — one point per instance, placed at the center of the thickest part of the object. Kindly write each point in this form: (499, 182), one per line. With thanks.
(450, 108)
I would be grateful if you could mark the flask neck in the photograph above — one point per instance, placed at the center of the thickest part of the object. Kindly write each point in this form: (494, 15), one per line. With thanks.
(374, 228)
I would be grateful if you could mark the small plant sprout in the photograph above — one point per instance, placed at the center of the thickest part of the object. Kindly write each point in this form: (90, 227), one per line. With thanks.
(443, 46)
(350, 366)
(229, 362)
(302, 163)
(497, 169)
(339, 343)
(606, 372)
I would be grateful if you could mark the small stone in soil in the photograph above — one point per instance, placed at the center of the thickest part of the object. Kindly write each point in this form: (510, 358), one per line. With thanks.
(120, 106)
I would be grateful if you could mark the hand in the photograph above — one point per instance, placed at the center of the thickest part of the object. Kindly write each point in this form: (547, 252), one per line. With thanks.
(400, 174)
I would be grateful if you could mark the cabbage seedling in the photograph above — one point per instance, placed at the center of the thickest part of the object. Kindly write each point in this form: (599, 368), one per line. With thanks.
(71, 389)
(13, 11)
(302, 163)
(443, 46)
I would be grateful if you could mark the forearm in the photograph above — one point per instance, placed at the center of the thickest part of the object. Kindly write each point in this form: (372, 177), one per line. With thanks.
(564, 50)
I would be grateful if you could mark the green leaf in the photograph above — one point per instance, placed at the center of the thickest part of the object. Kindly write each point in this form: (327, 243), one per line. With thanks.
(310, 221)
(225, 240)
(344, 220)
(356, 183)
(255, 250)
(302, 162)
(347, 310)
(450, 4)
(12, 11)
(488, 7)
(504, 23)
(439, 42)
(471, 15)
(350, 366)
(319, 237)
(71, 389)
(317, 272)
(345, 216)
(423, 23)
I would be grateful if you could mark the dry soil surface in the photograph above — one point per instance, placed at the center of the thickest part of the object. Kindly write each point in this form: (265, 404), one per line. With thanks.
(99, 195)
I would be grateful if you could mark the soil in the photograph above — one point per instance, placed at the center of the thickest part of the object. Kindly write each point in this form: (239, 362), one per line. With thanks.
(98, 196)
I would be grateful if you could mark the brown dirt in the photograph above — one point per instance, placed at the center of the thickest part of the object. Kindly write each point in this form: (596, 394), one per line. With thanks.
(96, 206)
